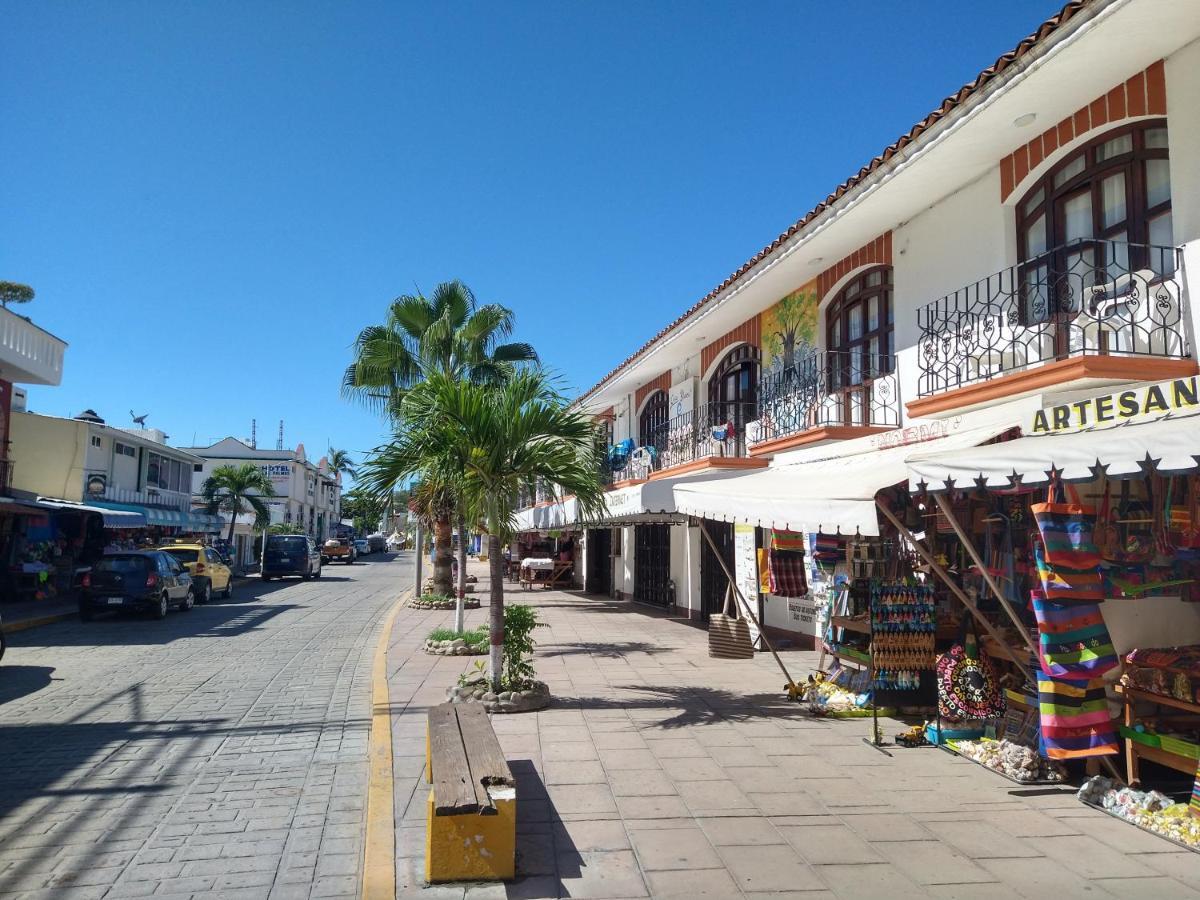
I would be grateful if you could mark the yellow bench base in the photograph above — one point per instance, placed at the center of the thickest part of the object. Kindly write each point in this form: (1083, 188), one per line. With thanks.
(472, 847)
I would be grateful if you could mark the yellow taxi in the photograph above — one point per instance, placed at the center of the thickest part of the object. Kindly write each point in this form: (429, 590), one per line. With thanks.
(209, 573)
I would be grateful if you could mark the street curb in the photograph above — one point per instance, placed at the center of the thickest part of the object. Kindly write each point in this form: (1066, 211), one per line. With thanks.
(379, 845)
(25, 624)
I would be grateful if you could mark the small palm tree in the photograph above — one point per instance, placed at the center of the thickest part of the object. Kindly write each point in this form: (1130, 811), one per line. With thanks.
(236, 490)
(339, 462)
(504, 437)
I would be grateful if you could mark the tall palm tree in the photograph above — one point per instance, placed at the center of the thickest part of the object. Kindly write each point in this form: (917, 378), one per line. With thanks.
(507, 436)
(339, 462)
(448, 334)
(236, 490)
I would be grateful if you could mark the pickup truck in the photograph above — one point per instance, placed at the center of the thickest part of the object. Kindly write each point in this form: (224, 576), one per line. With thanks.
(340, 550)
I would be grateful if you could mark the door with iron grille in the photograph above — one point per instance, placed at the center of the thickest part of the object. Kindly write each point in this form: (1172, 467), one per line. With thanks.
(598, 579)
(652, 565)
(712, 577)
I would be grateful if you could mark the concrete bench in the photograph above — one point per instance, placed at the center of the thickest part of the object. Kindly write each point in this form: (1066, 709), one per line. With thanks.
(471, 818)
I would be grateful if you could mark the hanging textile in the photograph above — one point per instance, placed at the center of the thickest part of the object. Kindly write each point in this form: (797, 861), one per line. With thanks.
(788, 540)
(1067, 585)
(1067, 529)
(1075, 721)
(788, 577)
(1073, 641)
(968, 689)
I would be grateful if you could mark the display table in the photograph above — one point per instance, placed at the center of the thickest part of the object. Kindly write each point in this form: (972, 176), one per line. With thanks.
(1135, 751)
(545, 572)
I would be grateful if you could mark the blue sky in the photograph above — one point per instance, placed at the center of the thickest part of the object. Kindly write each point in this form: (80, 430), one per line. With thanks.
(211, 198)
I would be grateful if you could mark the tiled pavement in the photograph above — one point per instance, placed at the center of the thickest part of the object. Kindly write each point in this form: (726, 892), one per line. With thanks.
(220, 753)
(660, 772)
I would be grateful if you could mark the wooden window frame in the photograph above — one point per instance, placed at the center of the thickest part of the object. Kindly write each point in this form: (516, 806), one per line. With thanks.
(654, 417)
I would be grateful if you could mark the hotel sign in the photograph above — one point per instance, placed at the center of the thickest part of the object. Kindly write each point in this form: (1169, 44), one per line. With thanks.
(1167, 399)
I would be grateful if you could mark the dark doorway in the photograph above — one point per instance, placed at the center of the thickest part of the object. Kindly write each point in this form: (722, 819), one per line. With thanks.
(712, 577)
(652, 565)
(598, 578)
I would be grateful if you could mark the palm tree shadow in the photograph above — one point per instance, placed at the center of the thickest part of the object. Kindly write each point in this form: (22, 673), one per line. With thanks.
(691, 705)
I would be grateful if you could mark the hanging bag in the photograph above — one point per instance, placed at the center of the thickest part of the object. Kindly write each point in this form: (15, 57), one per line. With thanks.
(1067, 585)
(1067, 528)
(728, 635)
(1107, 535)
(1073, 641)
(966, 682)
(1075, 722)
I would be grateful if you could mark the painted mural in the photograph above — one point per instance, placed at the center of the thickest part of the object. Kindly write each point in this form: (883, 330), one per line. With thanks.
(789, 329)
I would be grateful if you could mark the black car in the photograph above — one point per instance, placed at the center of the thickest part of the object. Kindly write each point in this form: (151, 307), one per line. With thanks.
(147, 580)
(291, 554)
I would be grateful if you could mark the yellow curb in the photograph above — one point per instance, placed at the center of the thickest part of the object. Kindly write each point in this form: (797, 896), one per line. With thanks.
(23, 624)
(379, 854)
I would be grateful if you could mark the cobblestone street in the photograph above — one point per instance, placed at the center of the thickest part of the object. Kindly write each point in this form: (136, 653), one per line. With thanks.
(660, 772)
(218, 753)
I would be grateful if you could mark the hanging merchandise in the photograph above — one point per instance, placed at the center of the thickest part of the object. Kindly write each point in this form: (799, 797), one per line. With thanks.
(1067, 529)
(787, 573)
(788, 540)
(829, 550)
(903, 629)
(729, 635)
(1067, 585)
(967, 685)
(1075, 721)
(1073, 639)
(1183, 518)
(1135, 521)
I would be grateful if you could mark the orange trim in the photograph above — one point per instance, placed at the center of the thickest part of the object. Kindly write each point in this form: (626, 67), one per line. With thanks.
(814, 436)
(749, 332)
(661, 383)
(1120, 368)
(710, 462)
(628, 482)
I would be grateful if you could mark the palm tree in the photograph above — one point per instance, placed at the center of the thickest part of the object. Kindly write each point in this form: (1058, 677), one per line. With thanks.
(447, 334)
(339, 462)
(506, 436)
(236, 490)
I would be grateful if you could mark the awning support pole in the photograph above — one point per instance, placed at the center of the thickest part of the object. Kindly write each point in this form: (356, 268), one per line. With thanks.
(791, 685)
(954, 588)
(948, 511)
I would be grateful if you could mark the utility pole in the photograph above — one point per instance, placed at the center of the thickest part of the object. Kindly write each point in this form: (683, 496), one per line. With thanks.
(420, 556)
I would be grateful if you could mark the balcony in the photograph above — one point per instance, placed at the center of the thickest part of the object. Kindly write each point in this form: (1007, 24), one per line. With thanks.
(713, 436)
(1089, 312)
(829, 395)
(149, 497)
(29, 355)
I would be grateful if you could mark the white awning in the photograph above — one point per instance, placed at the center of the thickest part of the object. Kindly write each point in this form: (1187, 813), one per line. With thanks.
(547, 516)
(832, 494)
(1169, 446)
(654, 500)
(113, 518)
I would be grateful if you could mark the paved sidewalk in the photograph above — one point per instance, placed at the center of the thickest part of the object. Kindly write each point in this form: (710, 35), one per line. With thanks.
(660, 772)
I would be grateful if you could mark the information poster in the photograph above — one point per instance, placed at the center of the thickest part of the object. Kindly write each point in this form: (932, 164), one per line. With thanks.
(745, 570)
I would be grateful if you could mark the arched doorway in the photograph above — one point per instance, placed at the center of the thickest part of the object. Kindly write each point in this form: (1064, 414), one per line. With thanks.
(733, 396)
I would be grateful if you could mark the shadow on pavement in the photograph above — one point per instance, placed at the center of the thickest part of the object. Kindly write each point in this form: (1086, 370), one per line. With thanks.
(20, 681)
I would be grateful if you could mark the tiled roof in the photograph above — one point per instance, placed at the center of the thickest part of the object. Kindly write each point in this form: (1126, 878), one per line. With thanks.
(1046, 29)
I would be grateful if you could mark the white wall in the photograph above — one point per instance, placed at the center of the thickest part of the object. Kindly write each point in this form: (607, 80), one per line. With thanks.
(125, 469)
(623, 571)
(679, 562)
(1183, 124)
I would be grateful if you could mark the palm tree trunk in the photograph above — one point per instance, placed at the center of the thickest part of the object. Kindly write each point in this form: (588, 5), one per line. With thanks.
(496, 610)
(443, 580)
(459, 607)
(233, 521)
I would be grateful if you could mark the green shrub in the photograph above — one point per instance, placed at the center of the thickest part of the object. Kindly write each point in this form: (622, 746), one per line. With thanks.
(436, 598)
(477, 637)
(519, 622)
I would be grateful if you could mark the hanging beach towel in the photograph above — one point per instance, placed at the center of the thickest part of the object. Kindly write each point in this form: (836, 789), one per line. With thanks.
(1073, 641)
(1075, 721)
(787, 574)
(729, 636)
(1067, 528)
(1068, 585)
(966, 682)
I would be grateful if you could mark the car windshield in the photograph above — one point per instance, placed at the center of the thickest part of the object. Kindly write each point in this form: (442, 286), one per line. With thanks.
(122, 564)
(287, 543)
(184, 555)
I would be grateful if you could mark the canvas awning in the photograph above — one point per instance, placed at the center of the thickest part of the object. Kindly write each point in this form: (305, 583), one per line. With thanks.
(831, 494)
(112, 518)
(1169, 446)
(153, 515)
(545, 516)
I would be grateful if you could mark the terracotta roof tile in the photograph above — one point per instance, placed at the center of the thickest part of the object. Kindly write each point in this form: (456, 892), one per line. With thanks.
(1047, 28)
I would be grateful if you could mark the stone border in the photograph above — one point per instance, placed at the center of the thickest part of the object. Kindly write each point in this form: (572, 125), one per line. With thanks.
(455, 647)
(468, 603)
(477, 691)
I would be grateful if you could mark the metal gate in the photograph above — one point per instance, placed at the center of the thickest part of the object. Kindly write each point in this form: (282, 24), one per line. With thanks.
(712, 577)
(598, 579)
(652, 565)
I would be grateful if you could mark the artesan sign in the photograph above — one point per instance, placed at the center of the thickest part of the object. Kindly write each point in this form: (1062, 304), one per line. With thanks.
(1167, 399)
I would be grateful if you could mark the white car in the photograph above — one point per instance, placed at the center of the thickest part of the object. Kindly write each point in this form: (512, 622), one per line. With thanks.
(361, 547)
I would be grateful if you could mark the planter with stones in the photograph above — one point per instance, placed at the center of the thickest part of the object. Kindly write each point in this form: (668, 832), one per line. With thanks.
(468, 603)
(477, 690)
(456, 647)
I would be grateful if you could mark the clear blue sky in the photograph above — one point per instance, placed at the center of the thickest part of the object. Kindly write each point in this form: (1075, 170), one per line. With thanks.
(212, 198)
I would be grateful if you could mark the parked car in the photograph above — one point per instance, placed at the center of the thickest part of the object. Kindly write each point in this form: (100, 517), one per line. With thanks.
(142, 580)
(377, 542)
(210, 574)
(290, 554)
(362, 547)
(341, 549)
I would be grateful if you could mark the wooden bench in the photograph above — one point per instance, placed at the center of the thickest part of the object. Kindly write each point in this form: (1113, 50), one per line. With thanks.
(471, 818)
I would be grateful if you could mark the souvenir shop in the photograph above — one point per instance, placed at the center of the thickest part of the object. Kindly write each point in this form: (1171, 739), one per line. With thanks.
(1031, 603)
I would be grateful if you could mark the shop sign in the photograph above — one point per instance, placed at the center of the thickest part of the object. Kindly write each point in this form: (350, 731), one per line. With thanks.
(1167, 399)
(745, 568)
(802, 613)
(624, 502)
(279, 473)
(96, 485)
(681, 399)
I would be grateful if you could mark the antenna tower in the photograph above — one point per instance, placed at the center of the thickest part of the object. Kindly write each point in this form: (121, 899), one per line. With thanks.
(279, 440)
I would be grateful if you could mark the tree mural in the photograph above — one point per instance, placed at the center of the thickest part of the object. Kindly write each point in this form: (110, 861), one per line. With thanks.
(791, 328)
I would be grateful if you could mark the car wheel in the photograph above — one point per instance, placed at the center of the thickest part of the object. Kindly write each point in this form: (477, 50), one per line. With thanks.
(318, 574)
(307, 576)
(164, 604)
(205, 593)
(189, 599)
(228, 589)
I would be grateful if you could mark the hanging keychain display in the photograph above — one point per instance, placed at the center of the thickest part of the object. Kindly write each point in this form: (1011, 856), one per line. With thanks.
(903, 631)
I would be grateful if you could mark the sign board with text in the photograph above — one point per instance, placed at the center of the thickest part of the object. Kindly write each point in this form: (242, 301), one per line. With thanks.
(745, 570)
(1168, 399)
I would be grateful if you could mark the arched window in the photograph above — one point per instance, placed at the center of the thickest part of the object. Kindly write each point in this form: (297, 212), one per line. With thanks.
(652, 425)
(859, 329)
(734, 383)
(1104, 210)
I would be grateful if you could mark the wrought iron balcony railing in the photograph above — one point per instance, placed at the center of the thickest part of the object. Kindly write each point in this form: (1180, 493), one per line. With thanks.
(712, 429)
(825, 390)
(1086, 298)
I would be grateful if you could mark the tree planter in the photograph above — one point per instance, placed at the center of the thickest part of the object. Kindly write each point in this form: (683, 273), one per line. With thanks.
(457, 647)
(420, 603)
(479, 691)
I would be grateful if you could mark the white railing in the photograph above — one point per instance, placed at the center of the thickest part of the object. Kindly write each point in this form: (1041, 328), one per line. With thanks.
(149, 497)
(31, 355)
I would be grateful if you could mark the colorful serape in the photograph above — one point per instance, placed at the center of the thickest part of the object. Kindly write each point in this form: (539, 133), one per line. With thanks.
(788, 577)
(788, 540)
(1075, 720)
